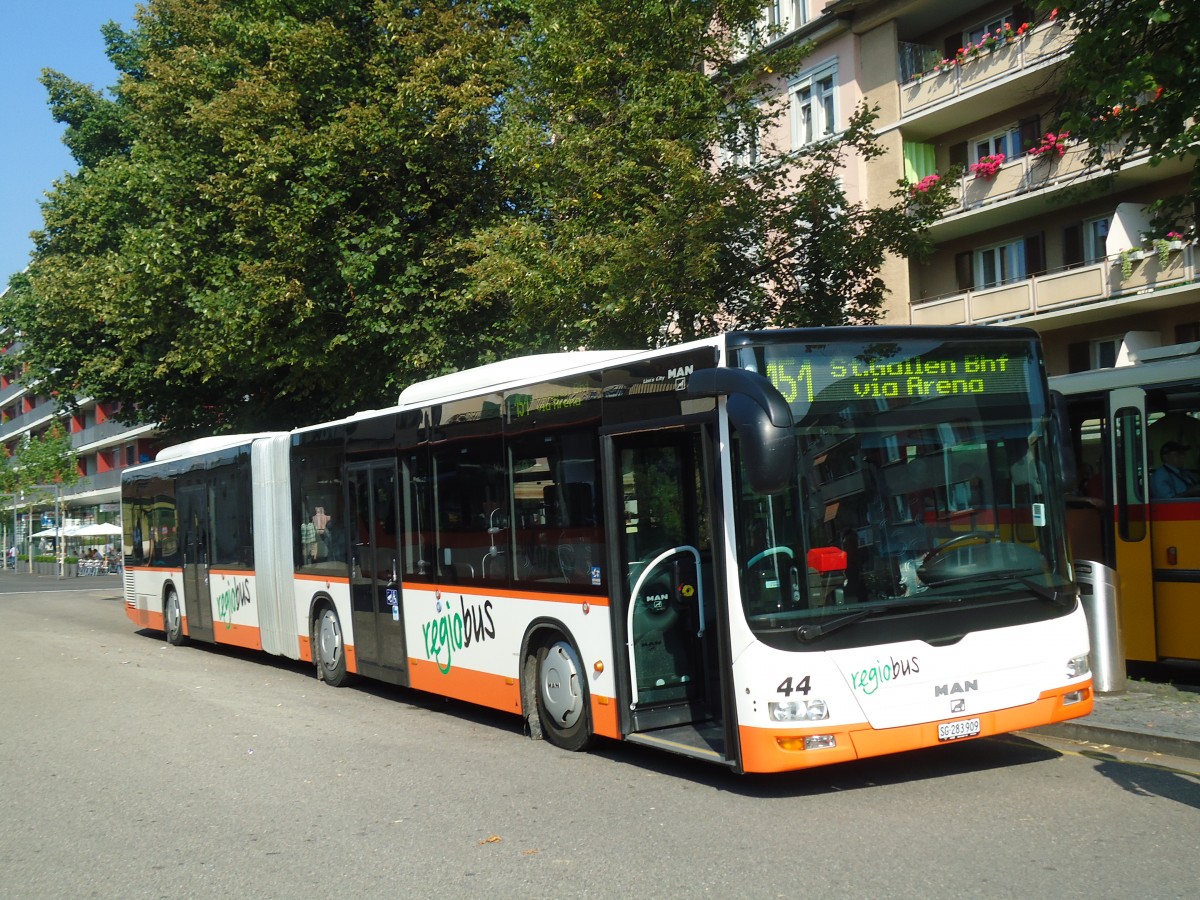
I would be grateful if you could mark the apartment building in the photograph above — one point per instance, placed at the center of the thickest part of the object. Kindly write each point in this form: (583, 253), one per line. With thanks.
(103, 446)
(1036, 236)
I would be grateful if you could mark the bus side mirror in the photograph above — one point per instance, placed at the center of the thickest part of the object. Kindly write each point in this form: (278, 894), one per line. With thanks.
(762, 420)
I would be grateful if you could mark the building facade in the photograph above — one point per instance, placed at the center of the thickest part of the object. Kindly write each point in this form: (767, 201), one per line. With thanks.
(103, 445)
(1036, 236)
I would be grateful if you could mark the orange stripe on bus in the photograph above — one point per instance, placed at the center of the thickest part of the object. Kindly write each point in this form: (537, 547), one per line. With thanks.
(325, 579)
(578, 599)
(235, 635)
(763, 749)
(604, 717)
(497, 691)
(145, 618)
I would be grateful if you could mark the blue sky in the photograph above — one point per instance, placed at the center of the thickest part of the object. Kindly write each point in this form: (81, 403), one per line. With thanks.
(56, 34)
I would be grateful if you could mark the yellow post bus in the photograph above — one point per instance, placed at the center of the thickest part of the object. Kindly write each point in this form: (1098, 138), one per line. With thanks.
(1136, 509)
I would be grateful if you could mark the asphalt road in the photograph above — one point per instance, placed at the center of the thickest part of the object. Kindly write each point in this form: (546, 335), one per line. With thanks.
(130, 768)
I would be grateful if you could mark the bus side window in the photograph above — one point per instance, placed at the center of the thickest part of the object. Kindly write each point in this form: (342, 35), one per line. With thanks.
(1173, 447)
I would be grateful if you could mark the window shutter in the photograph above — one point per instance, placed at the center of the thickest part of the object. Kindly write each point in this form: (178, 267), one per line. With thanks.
(958, 154)
(1031, 132)
(1079, 356)
(964, 271)
(1035, 254)
(1073, 245)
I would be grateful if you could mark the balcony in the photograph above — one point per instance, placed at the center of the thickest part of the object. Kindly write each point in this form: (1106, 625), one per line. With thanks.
(1020, 176)
(1081, 289)
(1017, 67)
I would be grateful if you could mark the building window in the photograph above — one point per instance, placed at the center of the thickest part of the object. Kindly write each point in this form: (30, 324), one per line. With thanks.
(742, 148)
(1007, 142)
(786, 15)
(1095, 239)
(814, 115)
(977, 33)
(1104, 352)
(1000, 264)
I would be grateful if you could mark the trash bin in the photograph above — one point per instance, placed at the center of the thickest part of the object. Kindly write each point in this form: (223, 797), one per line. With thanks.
(1098, 592)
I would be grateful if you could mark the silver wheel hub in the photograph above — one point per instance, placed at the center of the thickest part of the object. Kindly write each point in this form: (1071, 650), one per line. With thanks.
(330, 639)
(558, 681)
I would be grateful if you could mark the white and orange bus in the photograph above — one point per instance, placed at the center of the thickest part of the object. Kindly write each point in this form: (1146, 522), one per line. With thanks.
(772, 550)
(1134, 510)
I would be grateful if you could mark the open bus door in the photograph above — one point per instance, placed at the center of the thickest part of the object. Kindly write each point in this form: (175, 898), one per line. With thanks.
(664, 603)
(1131, 512)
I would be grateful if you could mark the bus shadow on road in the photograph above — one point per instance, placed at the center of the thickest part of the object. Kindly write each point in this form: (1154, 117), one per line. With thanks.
(1003, 752)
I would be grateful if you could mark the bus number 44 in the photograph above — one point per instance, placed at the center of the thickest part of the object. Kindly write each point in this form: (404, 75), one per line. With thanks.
(786, 687)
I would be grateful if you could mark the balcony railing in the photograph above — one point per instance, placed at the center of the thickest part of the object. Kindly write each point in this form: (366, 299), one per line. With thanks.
(1020, 176)
(951, 82)
(1062, 289)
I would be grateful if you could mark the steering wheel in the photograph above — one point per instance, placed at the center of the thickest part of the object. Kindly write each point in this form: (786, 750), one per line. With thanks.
(945, 547)
(771, 551)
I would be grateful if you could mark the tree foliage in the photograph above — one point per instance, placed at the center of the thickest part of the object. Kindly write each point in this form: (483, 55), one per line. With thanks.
(40, 461)
(277, 242)
(289, 209)
(649, 202)
(1132, 84)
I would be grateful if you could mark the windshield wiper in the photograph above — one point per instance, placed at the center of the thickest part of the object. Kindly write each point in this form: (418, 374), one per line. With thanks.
(812, 632)
(983, 576)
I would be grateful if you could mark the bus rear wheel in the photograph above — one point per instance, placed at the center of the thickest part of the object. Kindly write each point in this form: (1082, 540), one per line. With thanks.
(330, 648)
(562, 697)
(173, 618)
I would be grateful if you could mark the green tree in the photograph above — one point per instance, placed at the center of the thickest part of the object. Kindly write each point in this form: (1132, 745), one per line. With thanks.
(266, 225)
(41, 461)
(1132, 84)
(648, 202)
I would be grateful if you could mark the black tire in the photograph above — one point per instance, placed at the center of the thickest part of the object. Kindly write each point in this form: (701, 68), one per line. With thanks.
(564, 707)
(173, 618)
(329, 648)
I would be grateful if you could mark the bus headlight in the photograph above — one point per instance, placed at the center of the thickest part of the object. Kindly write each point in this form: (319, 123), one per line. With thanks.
(1078, 665)
(798, 711)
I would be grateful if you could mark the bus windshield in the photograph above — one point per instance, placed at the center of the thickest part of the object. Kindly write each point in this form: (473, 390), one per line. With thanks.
(925, 475)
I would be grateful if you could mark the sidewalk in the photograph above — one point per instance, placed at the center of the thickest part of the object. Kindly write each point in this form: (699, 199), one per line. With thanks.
(20, 582)
(1151, 717)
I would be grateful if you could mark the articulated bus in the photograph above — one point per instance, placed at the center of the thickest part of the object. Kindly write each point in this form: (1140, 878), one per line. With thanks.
(772, 550)
(1136, 510)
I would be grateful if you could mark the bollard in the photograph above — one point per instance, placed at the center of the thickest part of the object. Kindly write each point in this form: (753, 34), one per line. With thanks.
(1098, 593)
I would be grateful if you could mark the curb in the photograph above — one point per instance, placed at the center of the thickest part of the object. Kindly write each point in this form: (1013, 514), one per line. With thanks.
(1146, 741)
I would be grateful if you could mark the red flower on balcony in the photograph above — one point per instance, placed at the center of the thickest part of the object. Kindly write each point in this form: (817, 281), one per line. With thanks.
(988, 166)
(1051, 146)
(925, 185)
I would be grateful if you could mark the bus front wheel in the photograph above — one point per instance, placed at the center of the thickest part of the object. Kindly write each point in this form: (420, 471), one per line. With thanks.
(331, 648)
(562, 696)
(173, 618)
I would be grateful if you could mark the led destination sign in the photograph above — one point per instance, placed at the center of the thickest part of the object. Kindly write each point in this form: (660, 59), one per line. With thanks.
(841, 376)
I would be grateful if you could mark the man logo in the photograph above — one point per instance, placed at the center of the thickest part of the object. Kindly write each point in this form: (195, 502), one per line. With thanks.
(958, 706)
(945, 690)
